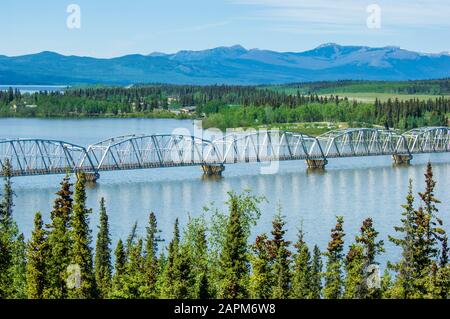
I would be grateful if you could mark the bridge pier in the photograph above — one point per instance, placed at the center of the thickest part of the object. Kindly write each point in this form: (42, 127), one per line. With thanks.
(316, 164)
(90, 177)
(214, 169)
(402, 159)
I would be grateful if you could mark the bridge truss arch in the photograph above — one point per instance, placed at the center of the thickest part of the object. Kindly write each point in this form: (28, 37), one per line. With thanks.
(261, 146)
(355, 142)
(41, 157)
(428, 139)
(151, 151)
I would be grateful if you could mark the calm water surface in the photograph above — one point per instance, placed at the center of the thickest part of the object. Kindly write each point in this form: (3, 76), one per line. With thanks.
(355, 188)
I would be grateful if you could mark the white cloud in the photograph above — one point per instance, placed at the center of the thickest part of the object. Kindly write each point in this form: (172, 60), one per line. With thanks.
(399, 13)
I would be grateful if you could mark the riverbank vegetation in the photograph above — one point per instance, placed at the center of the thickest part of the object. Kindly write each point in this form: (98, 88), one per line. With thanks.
(214, 256)
(224, 106)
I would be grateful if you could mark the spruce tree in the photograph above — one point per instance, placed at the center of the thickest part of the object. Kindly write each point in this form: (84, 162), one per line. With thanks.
(8, 234)
(402, 288)
(439, 282)
(36, 255)
(279, 248)
(302, 272)
(133, 278)
(151, 258)
(81, 253)
(423, 235)
(316, 274)
(354, 267)
(234, 263)
(333, 275)
(7, 203)
(59, 243)
(102, 261)
(18, 270)
(119, 270)
(261, 279)
(196, 245)
(184, 283)
(131, 239)
(169, 276)
(367, 240)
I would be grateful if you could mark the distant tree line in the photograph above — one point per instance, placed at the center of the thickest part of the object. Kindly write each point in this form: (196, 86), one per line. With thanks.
(225, 106)
(212, 258)
(432, 87)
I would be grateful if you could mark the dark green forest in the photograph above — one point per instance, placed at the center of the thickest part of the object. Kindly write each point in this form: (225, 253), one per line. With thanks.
(241, 106)
(214, 256)
(432, 87)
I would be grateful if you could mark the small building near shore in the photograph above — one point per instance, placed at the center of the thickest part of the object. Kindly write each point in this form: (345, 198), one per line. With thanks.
(188, 110)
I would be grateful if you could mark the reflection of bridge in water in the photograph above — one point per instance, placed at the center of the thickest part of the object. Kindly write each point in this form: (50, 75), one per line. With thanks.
(43, 157)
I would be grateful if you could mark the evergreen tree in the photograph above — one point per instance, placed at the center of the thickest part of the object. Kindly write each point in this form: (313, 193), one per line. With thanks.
(371, 248)
(81, 254)
(386, 285)
(234, 263)
(18, 270)
(354, 279)
(168, 289)
(119, 267)
(133, 278)
(8, 234)
(439, 284)
(423, 235)
(131, 239)
(151, 258)
(261, 279)
(102, 261)
(281, 257)
(195, 242)
(302, 274)
(36, 253)
(333, 275)
(59, 243)
(316, 274)
(7, 203)
(402, 288)
(185, 281)
(367, 239)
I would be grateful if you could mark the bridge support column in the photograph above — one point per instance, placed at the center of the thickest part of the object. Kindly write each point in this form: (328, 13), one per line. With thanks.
(91, 177)
(402, 159)
(213, 169)
(316, 164)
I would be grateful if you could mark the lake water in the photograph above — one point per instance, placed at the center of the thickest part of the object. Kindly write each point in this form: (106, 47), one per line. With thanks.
(34, 88)
(355, 188)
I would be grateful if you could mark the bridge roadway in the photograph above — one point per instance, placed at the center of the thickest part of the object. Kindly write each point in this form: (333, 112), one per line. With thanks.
(42, 157)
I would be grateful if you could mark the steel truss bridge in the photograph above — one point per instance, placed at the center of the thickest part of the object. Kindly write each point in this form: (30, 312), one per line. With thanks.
(42, 157)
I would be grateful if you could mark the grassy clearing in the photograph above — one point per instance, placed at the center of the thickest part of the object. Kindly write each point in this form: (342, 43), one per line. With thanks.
(383, 97)
(310, 128)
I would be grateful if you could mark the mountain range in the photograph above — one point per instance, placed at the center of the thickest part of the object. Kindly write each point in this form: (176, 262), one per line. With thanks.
(227, 65)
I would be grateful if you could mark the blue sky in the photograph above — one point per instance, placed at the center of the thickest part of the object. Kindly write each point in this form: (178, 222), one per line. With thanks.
(119, 27)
